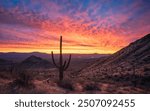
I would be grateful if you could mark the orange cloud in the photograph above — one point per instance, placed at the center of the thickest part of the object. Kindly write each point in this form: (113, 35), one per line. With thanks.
(86, 27)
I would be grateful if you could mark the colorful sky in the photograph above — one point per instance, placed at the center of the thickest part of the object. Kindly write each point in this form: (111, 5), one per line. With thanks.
(87, 26)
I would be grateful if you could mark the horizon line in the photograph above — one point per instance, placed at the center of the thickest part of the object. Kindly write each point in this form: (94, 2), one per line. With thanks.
(58, 53)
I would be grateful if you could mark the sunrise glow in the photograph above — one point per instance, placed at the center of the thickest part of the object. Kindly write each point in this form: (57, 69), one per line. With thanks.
(87, 26)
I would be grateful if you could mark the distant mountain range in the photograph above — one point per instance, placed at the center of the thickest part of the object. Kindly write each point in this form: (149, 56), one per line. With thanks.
(18, 57)
(31, 62)
(136, 56)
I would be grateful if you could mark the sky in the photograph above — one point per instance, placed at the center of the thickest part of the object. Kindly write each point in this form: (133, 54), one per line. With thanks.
(87, 26)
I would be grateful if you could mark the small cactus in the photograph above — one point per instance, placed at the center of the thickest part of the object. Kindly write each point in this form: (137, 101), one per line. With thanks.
(62, 65)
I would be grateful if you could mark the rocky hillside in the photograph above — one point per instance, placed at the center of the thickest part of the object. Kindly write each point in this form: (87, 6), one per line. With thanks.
(131, 60)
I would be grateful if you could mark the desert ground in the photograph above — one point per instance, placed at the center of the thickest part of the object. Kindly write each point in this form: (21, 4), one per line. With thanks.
(76, 80)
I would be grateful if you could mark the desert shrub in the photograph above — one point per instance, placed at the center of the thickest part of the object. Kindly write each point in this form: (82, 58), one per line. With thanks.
(66, 85)
(146, 69)
(134, 83)
(23, 80)
(145, 81)
(91, 86)
(140, 80)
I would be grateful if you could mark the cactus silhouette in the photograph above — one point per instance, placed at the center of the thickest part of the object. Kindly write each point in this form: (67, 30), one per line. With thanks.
(62, 65)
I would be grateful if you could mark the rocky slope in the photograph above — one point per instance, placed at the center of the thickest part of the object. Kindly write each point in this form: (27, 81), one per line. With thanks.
(131, 60)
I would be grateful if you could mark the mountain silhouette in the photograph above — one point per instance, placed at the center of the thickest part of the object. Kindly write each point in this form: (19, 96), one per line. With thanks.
(135, 56)
(35, 62)
(138, 51)
(5, 62)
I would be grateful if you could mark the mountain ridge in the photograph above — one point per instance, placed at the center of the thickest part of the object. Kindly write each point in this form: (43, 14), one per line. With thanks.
(18, 57)
(35, 62)
(135, 56)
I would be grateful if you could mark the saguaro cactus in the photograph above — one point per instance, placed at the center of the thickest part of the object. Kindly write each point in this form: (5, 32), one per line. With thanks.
(62, 65)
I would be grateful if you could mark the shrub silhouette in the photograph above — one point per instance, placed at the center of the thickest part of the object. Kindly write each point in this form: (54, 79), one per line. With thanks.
(23, 79)
(91, 86)
(66, 84)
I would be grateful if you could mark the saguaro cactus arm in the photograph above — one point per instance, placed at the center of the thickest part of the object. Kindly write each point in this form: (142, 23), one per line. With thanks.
(67, 65)
(54, 60)
(64, 64)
